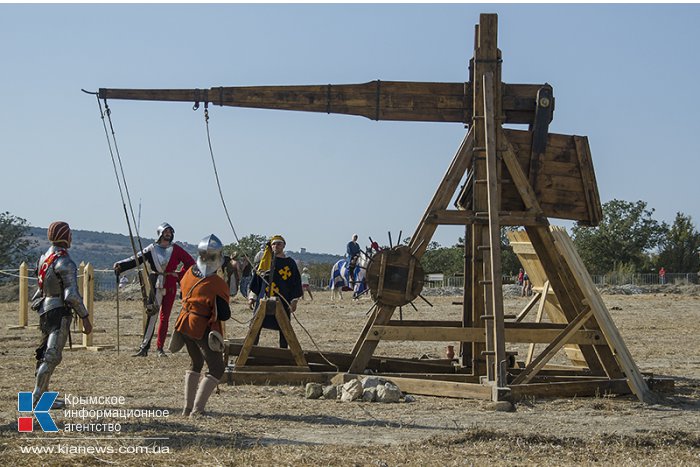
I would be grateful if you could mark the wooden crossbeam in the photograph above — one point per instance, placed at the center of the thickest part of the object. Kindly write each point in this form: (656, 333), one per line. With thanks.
(477, 334)
(598, 387)
(456, 217)
(428, 387)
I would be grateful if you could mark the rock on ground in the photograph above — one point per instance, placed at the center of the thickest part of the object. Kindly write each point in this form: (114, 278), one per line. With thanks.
(372, 382)
(330, 392)
(369, 394)
(314, 390)
(388, 393)
(351, 390)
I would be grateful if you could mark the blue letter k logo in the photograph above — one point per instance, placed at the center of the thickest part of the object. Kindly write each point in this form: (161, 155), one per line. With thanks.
(41, 410)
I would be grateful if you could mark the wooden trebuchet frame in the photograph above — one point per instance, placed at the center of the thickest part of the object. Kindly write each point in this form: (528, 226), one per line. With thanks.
(510, 178)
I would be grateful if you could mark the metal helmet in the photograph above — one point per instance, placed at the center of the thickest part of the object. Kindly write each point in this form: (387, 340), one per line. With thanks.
(210, 255)
(161, 228)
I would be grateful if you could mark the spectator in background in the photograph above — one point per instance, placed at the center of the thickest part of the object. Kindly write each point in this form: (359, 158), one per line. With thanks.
(246, 275)
(662, 276)
(305, 283)
(232, 273)
(527, 285)
(521, 275)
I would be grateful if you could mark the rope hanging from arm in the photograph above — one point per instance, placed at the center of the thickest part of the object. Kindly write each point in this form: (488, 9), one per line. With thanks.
(235, 235)
(108, 113)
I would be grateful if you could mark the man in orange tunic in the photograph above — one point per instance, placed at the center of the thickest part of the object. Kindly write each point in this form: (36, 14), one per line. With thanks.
(205, 298)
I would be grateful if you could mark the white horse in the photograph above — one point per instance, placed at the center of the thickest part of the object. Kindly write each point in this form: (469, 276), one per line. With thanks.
(341, 280)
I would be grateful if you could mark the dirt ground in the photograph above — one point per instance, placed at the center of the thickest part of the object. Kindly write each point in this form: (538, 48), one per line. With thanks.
(276, 425)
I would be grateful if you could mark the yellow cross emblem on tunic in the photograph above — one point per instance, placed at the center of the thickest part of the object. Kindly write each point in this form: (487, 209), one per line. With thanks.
(285, 273)
(275, 290)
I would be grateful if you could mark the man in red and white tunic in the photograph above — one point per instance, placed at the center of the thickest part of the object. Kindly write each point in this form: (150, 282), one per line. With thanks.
(163, 257)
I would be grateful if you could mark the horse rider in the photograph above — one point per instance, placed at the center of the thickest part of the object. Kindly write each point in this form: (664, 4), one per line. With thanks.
(352, 252)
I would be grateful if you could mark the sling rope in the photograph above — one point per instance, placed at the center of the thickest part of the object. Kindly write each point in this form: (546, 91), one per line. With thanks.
(144, 293)
(235, 235)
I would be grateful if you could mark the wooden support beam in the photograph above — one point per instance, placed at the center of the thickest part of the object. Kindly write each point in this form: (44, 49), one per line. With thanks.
(456, 377)
(525, 190)
(428, 387)
(366, 349)
(540, 129)
(273, 369)
(342, 361)
(459, 217)
(288, 332)
(253, 331)
(477, 334)
(538, 319)
(590, 187)
(598, 387)
(603, 318)
(494, 203)
(538, 363)
(285, 378)
(530, 305)
(486, 60)
(571, 301)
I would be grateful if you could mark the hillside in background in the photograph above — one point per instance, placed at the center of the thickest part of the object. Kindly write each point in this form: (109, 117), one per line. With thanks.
(103, 249)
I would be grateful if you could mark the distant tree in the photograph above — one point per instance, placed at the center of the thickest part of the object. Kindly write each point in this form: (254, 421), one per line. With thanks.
(444, 260)
(14, 247)
(624, 237)
(680, 248)
(509, 260)
(450, 261)
(248, 245)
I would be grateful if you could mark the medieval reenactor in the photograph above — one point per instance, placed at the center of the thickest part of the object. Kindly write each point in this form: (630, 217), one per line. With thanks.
(55, 300)
(278, 276)
(163, 258)
(205, 297)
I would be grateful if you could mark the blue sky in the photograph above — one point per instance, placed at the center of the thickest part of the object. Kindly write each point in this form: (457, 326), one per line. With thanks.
(623, 75)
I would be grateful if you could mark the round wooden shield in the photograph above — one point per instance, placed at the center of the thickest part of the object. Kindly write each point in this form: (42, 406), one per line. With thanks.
(395, 277)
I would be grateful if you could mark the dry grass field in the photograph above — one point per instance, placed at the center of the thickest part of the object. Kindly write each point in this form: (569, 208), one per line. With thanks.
(276, 425)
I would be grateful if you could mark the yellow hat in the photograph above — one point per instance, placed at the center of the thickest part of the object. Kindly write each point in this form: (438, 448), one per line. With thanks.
(277, 238)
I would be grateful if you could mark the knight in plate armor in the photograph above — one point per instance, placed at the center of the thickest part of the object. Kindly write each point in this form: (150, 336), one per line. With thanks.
(55, 299)
(163, 258)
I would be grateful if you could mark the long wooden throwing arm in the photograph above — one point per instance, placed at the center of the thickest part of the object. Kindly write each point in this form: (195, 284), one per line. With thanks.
(376, 100)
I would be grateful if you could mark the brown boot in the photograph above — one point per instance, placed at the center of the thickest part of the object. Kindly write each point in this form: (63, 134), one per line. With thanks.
(204, 390)
(191, 382)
